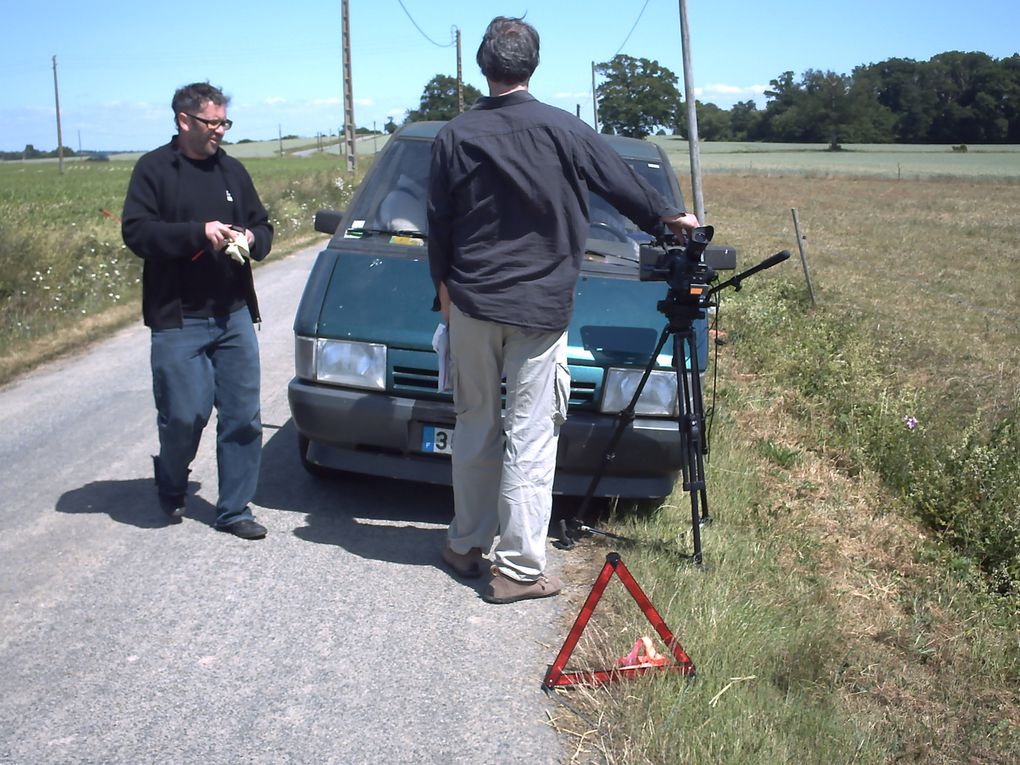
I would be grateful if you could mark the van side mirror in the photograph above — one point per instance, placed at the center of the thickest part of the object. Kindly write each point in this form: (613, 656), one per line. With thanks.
(327, 221)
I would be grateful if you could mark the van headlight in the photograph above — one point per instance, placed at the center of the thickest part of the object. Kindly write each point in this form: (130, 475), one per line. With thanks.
(341, 362)
(658, 398)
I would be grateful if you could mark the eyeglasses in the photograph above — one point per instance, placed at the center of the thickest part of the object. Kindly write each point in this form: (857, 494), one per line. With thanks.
(212, 124)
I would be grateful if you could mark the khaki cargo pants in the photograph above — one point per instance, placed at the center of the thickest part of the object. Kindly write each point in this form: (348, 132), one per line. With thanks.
(504, 461)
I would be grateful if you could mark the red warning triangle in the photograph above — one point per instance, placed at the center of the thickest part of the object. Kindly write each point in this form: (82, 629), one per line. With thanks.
(636, 663)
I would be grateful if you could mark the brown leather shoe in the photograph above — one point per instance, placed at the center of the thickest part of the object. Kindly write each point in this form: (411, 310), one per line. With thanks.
(503, 589)
(469, 565)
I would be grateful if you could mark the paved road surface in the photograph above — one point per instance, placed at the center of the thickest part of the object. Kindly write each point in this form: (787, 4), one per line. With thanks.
(338, 638)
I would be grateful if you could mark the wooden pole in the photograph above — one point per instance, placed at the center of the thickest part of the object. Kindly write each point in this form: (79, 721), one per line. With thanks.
(803, 255)
(460, 78)
(594, 100)
(692, 116)
(345, 33)
(60, 140)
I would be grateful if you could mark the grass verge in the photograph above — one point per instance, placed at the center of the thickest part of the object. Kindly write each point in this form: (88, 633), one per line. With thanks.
(65, 275)
(829, 623)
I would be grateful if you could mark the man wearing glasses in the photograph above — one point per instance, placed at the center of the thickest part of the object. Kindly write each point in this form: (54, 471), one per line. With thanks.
(193, 215)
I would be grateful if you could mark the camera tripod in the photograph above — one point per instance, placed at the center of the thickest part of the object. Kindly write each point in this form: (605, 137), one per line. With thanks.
(690, 420)
(680, 314)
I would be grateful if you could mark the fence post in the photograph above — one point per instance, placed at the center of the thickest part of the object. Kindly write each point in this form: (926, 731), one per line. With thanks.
(803, 255)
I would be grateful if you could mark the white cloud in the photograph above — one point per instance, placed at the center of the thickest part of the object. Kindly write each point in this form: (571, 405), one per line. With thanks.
(274, 101)
(730, 93)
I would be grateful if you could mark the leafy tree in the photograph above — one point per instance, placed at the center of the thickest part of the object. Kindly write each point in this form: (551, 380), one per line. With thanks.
(390, 127)
(972, 88)
(825, 107)
(439, 99)
(745, 121)
(1011, 109)
(713, 122)
(636, 97)
(901, 86)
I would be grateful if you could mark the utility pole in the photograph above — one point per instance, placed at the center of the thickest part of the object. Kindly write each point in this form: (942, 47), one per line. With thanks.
(692, 116)
(60, 140)
(460, 77)
(345, 33)
(594, 99)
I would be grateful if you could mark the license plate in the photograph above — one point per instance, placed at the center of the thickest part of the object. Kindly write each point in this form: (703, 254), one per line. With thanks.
(436, 440)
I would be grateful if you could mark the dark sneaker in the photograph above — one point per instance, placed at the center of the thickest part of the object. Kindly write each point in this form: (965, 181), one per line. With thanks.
(172, 506)
(469, 565)
(503, 589)
(245, 529)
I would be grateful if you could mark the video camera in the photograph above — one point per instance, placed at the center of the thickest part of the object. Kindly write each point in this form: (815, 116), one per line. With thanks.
(687, 268)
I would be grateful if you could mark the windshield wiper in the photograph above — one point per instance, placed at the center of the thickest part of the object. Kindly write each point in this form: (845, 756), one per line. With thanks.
(356, 233)
(618, 251)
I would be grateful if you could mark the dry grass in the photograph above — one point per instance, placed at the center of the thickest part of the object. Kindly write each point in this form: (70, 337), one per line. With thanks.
(929, 264)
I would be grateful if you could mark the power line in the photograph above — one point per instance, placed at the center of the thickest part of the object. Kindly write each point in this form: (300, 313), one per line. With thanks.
(448, 45)
(640, 14)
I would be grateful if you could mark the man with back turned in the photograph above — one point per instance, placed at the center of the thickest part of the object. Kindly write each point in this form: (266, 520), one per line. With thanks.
(508, 218)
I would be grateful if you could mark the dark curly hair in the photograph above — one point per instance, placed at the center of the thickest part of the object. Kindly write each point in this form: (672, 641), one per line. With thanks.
(508, 53)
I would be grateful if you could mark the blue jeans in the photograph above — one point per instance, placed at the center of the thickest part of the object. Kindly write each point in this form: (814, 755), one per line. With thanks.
(206, 363)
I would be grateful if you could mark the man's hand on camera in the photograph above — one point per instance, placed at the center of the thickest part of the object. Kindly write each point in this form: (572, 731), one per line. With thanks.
(681, 224)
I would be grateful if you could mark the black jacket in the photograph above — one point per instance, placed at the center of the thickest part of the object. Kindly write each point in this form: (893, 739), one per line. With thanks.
(508, 208)
(152, 229)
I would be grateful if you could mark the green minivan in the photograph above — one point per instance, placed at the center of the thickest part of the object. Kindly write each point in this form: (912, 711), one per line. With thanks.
(365, 397)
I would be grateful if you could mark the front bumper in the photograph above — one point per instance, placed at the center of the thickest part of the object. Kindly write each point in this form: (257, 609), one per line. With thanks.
(380, 434)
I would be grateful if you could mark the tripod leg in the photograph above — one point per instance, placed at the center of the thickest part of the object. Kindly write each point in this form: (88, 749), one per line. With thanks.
(572, 528)
(691, 425)
(700, 448)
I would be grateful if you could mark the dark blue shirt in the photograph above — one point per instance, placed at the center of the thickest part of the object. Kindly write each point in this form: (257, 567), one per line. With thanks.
(508, 208)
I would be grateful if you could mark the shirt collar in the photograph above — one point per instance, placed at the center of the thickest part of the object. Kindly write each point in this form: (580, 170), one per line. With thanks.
(510, 99)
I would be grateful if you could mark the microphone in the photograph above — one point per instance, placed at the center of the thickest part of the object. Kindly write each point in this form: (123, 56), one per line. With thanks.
(770, 261)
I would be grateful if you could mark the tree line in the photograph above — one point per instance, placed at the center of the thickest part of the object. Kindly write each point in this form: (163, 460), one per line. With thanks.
(30, 152)
(953, 97)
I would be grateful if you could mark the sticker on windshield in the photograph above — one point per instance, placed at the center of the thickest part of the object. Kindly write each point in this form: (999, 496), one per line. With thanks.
(408, 240)
(355, 231)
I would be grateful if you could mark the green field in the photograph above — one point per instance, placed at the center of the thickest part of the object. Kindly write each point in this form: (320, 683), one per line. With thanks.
(869, 160)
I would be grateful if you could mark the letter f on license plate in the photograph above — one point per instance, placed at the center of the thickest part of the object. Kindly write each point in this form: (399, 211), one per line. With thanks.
(436, 440)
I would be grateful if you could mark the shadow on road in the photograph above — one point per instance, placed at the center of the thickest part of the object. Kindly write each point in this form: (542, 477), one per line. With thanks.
(397, 521)
(132, 502)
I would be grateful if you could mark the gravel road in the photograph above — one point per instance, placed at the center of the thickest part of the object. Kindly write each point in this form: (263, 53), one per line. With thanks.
(339, 638)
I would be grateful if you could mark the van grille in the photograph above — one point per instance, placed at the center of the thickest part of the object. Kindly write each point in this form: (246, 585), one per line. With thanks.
(418, 380)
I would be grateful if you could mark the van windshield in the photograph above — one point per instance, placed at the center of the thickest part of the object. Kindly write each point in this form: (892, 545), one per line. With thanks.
(396, 198)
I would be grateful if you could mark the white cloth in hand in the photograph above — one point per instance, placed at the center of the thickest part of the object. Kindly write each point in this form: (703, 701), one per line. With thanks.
(441, 345)
(238, 249)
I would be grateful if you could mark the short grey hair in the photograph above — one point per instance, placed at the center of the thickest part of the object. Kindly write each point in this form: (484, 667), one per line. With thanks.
(509, 51)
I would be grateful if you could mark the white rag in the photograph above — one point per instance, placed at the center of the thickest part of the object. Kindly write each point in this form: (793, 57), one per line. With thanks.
(238, 249)
(441, 345)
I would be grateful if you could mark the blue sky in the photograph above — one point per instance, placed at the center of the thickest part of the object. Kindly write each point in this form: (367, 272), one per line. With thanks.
(119, 62)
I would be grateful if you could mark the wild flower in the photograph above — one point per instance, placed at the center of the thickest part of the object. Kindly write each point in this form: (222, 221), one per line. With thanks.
(910, 421)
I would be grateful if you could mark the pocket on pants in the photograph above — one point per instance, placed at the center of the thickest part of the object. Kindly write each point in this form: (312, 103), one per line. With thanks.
(562, 396)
